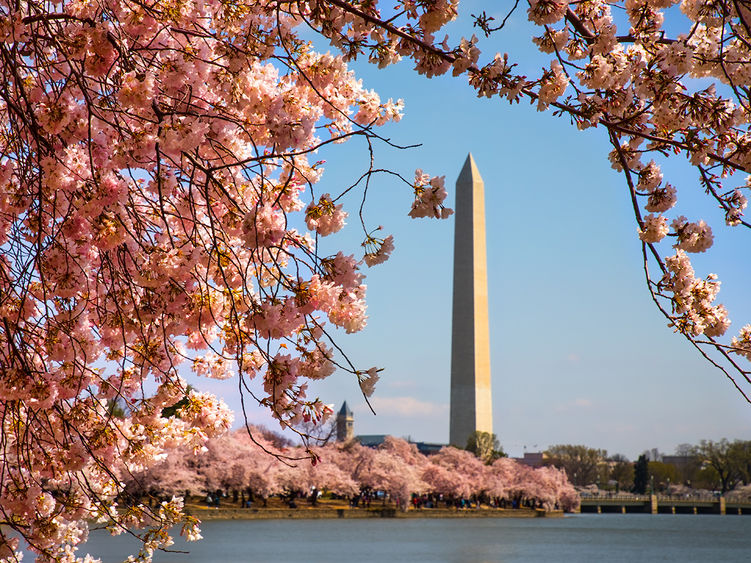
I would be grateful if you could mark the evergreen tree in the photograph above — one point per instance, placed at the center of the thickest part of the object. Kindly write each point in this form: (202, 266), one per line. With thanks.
(641, 475)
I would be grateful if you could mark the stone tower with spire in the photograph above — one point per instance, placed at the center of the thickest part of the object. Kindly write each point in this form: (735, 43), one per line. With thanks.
(471, 408)
(345, 424)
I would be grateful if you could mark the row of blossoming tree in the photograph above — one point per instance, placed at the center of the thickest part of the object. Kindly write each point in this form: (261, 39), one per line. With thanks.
(235, 463)
(160, 210)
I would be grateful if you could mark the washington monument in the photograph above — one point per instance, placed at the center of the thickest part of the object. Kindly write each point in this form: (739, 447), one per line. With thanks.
(471, 408)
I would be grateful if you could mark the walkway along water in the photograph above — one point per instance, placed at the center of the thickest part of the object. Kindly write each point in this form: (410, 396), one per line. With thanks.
(663, 504)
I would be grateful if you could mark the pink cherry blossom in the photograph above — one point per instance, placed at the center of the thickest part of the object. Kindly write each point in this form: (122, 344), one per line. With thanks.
(655, 228)
(378, 250)
(429, 196)
(325, 217)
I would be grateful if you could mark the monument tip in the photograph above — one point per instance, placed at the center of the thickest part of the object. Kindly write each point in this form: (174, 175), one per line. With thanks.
(470, 173)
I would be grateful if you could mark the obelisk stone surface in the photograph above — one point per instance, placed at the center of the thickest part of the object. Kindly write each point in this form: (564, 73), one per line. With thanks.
(471, 405)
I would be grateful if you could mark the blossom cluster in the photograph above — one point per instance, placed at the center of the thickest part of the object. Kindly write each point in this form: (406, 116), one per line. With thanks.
(325, 217)
(693, 299)
(429, 196)
(377, 250)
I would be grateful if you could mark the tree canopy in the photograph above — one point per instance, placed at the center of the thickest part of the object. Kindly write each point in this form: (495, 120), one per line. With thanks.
(729, 462)
(579, 462)
(485, 446)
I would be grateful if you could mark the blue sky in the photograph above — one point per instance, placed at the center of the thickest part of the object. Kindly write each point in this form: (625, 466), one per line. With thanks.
(579, 353)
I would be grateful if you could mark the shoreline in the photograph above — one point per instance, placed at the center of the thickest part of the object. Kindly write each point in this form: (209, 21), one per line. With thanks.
(205, 513)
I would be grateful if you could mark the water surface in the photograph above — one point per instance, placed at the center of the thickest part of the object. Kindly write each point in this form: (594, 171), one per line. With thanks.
(615, 538)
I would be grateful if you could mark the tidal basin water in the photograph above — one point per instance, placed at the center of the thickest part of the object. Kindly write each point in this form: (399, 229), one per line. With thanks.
(610, 538)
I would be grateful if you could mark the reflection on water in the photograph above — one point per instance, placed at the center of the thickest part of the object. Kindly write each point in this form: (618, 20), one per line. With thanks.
(613, 538)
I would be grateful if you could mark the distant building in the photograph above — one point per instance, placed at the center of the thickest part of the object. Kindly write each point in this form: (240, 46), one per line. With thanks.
(375, 440)
(426, 448)
(345, 424)
(371, 440)
(345, 431)
(532, 459)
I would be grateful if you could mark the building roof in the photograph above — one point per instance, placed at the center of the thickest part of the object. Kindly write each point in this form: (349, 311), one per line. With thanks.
(345, 410)
(371, 440)
(427, 448)
(375, 440)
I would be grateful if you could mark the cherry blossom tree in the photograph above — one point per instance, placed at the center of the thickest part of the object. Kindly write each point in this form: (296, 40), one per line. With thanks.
(328, 475)
(262, 473)
(384, 470)
(176, 475)
(443, 481)
(396, 467)
(459, 473)
(159, 209)
(247, 464)
(504, 475)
